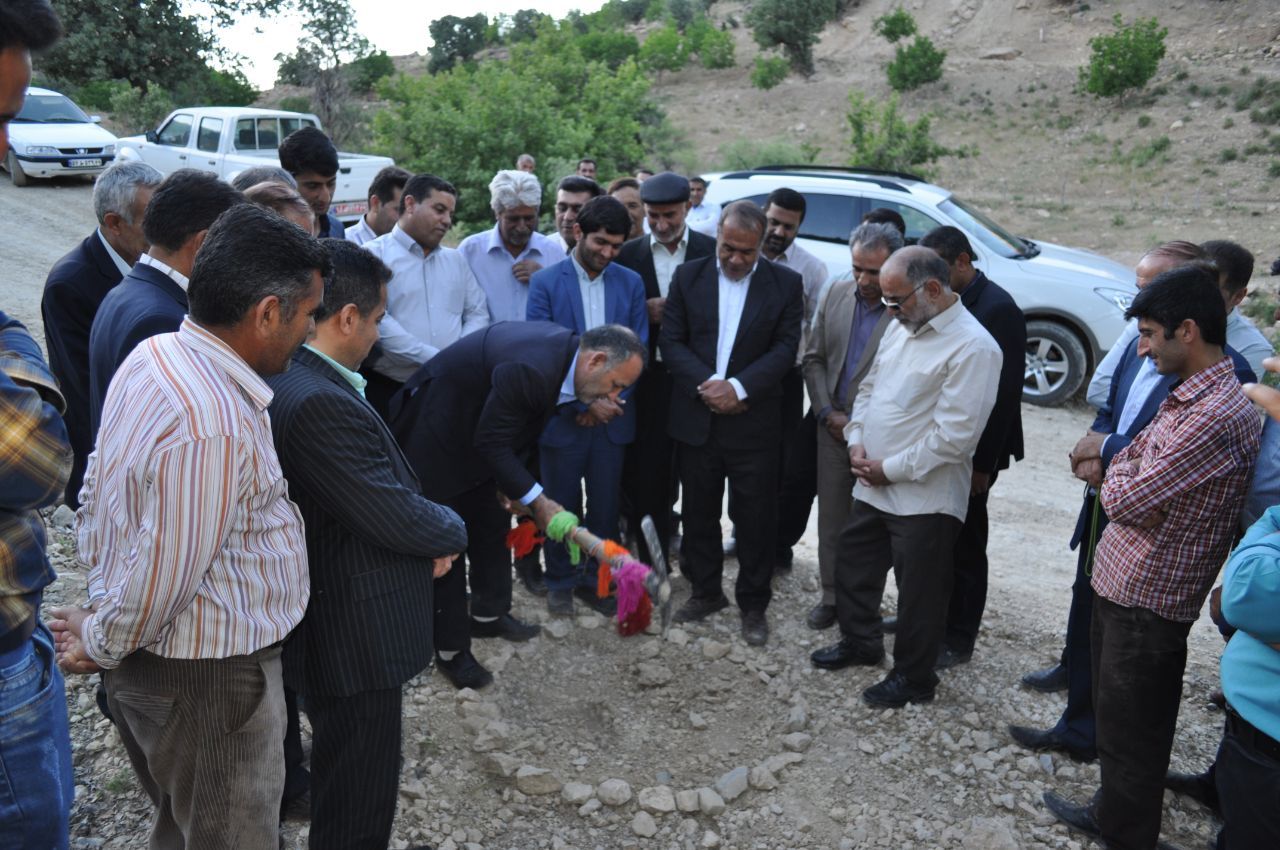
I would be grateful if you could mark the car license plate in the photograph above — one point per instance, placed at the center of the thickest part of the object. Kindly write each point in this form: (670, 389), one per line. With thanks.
(83, 163)
(350, 208)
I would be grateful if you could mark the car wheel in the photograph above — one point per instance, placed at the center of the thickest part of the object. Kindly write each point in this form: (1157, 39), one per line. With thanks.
(1055, 366)
(16, 174)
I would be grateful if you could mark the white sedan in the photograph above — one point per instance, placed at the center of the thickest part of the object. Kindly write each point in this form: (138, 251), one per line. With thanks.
(52, 137)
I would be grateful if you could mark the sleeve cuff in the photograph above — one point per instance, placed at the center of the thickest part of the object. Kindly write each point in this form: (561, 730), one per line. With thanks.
(534, 492)
(737, 387)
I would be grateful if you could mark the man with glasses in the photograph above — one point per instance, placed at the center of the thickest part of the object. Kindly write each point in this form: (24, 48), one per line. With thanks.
(911, 435)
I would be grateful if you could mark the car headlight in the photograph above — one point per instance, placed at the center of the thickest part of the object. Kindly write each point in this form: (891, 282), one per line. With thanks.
(41, 150)
(109, 150)
(1122, 299)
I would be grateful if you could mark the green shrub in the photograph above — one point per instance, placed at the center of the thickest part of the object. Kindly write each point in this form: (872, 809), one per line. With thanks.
(896, 25)
(1228, 155)
(296, 103)
(98, 94)
(769, 71)
(1126, 59)
(716, 50)
(1144, 121)
(881, 138)
(742, 154)
(1228, 123)
(136, 112)
(365, 72)
(664, 50)
(914, 65)
(611, 48)
(1273, 170)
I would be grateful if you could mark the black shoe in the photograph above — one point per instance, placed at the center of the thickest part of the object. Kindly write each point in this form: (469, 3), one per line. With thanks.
(821, 617)
(895, 692)
(464, 671)
(1079, 818)
(695, 608)
(506, 627)
(948, 658)
(755, 628)
(607, 607)
(1048, 680)
(846, 653)
(560, 603)
(1197, 786)
(530, 572)
(1041, 740)
(889, 625)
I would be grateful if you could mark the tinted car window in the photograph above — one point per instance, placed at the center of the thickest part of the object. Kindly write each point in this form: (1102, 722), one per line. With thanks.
(918, 224)
(210, 132)
(176, 132)
(826, 217)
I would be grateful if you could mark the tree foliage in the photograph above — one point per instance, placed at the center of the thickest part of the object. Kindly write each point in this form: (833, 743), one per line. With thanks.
(714, 47)
(1126, 59)
(456, 40)
(609, 48)
(682, 13)
(769, 71)
(365, 72)
(914, 65)
(881, 138)
(664, 50)
(895, 26)
(792, 25)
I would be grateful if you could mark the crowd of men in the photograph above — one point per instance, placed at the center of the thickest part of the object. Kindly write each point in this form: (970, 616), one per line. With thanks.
(296, 449)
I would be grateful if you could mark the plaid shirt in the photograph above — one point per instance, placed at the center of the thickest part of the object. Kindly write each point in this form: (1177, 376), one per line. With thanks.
(35, 460)
(1192, 464)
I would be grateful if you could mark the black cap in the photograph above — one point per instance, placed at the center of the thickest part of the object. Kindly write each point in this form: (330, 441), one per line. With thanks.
(665, 188)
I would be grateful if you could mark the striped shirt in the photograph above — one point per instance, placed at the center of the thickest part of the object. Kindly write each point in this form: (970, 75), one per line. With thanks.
(1192, 465)
(194, 549)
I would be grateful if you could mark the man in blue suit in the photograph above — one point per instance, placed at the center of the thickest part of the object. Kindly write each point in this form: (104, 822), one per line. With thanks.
(588, 441)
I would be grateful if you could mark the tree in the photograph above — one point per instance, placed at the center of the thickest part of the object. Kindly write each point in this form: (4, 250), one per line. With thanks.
(609, 48)
(715, 49)
(895, 25)
(881, 138)
(331, 39)
(524, 25)
(914, 65)
(792, 25)
(769, 72)
(664, 50)
(365, 72)
(456, 40)
(1126, 59)
(682, 13)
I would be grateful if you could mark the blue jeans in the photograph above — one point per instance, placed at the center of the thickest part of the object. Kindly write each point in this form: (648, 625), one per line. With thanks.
(35, 749)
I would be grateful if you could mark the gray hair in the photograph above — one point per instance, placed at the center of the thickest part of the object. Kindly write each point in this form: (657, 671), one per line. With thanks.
(263, 174)
(877, 236)
(118, 185)
(619, 342)
(513, 188)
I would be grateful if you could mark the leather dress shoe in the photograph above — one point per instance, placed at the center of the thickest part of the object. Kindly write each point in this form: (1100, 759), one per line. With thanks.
(755, 628)
(821, 617)
(506, 627)
(1197, 786)
(948, 658)
(1040, 740)
(530, 573)
(607, 607)
(1048, 680)
(560, 602)
(895, 692)
(464, 671)
(846, 653)
(696, 608)
(889, 625)
(1079, 818)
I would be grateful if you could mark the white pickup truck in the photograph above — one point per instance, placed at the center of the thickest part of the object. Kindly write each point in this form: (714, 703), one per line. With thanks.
(229, 139)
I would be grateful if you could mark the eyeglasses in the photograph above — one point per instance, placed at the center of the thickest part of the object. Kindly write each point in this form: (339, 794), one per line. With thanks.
(897, 303)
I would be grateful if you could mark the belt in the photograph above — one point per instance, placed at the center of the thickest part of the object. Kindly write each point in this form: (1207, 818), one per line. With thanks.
(1251, 736)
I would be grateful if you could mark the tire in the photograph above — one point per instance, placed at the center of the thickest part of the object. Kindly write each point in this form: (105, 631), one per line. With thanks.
(16, 174)
(1056, 364)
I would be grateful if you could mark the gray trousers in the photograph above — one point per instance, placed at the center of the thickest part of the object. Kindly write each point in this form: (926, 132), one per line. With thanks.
(204, 738)
(835, 500)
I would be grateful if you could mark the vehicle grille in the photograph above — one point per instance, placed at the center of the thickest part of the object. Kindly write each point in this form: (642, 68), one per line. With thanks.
(80, 151)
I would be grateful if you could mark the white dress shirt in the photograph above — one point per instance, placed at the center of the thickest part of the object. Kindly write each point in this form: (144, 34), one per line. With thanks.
(491, 263)
(733, 297)
(121, 265)
(704, 218)
(921, 410)
(360, 232)
(173, 274)
(592, 292)
(813, 273)
(665, 262)
(433, 300)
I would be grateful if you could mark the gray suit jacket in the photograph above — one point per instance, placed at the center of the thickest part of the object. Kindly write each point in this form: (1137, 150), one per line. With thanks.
(829, 342)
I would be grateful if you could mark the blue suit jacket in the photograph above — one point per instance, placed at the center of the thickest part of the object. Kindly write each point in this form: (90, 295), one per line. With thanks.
(554, 296)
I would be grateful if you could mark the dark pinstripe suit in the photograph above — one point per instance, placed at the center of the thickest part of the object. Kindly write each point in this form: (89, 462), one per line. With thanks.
(370, 540)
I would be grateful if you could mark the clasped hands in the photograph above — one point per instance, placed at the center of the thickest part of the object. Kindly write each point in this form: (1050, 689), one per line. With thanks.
(869, 472)
(719, 395)
(600, 411)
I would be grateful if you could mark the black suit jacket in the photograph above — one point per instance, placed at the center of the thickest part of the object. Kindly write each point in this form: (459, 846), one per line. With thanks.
(637, 255)
(996, 311)
(145, 303)
(76, 285)
(764, 351)
(473, 412)
(370, 537)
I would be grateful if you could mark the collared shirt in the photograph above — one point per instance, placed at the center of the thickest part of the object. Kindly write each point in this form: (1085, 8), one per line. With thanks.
(355, 379)
(665, 262)
(1191, 466)
(559, 240)
(121, 265)
(813, 274)
(592, 295)
(35, 460)
(568, 395)
(174, 275)
(433, 300)
(491, 262)
(360, 232)
(921, 410)
(1144, 384)
(863, 325)
(1251, 602)
(704, 218)
(194, 549)
(733, 297)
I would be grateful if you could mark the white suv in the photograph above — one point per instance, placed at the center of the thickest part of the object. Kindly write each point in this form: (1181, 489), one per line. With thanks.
(1074, 300)
(52, 137)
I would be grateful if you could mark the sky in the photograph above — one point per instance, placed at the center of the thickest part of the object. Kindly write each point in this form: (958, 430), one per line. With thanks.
(396, 26)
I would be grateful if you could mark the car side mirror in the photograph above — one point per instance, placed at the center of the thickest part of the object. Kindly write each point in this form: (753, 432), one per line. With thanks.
(152, 137)
(96, 119)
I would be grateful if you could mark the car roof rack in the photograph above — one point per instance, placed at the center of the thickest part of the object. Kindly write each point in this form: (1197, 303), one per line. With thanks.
(856, 169)
(893, 184)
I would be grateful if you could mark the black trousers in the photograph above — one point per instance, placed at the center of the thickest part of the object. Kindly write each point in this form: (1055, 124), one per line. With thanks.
(648, 474)
(486, 563)
(355, 759)
(1138, 661)
(1248, 781)
(919, 547)
(969, 584)
(1076, 726)
(798, 476)
(750, 473)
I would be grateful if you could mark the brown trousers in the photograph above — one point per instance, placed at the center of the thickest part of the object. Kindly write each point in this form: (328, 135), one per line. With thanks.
(204, 738)
(835, 501)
